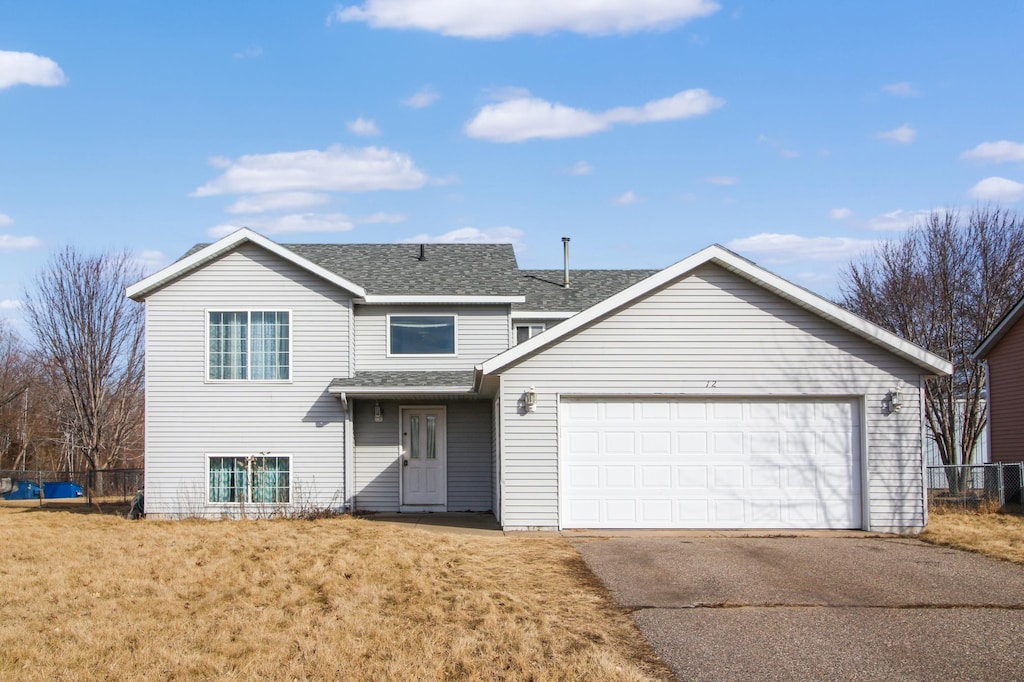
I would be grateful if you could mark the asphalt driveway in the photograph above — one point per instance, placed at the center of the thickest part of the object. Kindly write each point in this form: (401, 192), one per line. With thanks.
(816, 608)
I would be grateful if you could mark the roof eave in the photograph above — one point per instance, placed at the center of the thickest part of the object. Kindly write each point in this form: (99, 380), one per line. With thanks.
(1001, 329)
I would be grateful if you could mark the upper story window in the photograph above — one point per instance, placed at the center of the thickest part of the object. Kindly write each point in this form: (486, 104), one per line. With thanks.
(250, 345)
(527, 331)
(421, 335)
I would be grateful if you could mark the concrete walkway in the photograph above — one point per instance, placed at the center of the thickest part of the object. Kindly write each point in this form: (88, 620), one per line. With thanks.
(816, 608)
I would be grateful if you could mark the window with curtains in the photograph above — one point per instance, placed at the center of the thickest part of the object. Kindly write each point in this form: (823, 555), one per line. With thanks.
(421, 335)
(252, 479)
(249, 345)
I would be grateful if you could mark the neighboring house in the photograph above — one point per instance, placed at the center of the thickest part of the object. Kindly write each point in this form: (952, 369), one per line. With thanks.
(441, 377)
(1003, 353)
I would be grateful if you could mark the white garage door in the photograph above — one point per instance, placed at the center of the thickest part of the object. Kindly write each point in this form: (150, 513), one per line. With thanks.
(710, 464)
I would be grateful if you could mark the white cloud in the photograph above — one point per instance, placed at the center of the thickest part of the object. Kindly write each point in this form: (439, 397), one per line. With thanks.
(472, 235)
(422, 98)
(897, 221)
(150, 261)
(363, 126)
(626, 199)
(10, 304)
(781, 249)
(249, 53)
(724, 180)
(305, 222)
(789, 153)
(281, 201)
(998, 152)
(5, 220)
(525, 118)
(25, 68)
(471, 19)
(288, 224)
(581, 168)
(997, 189)
(336, 169)
(902, 89)
(8, 242)
(902, 135)
(381, 217)
(840, 213)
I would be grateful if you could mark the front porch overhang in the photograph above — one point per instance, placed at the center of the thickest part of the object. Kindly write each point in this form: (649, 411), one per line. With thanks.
(423, 385)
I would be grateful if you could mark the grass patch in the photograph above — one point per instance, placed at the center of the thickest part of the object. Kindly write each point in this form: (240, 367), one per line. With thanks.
(99, 597)
(993, 534)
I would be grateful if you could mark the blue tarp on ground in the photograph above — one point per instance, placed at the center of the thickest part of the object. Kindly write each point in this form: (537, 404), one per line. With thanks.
(52, 491)
(24, 490)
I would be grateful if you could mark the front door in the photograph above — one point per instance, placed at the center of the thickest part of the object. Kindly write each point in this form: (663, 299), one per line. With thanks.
(423, 456)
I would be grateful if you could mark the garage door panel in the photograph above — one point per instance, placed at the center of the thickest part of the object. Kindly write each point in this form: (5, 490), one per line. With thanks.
(695, 443)
(711, 464)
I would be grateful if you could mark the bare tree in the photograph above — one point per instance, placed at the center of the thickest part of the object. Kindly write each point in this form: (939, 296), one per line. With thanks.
(14, 367)
(92, 337)
(943, 285)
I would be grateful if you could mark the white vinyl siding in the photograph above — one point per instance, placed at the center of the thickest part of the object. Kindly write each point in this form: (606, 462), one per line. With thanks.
(482, 332)
(188, 417)
(712, 334)
(469, 455)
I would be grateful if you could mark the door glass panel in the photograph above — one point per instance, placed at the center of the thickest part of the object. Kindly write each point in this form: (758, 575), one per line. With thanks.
(414, 437)
(431, 437)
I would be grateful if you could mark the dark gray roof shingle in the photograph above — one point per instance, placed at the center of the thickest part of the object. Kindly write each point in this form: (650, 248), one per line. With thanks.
(463, 270)
(405, 380)
(395, 269)
(544, 291)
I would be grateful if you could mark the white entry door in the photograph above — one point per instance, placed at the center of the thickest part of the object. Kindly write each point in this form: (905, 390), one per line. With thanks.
(423, 456)
(701, 463)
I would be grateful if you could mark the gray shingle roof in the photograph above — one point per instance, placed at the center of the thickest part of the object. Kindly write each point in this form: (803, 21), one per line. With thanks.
(395, 269)
(544, 291)
(405, 380)
(463, 270)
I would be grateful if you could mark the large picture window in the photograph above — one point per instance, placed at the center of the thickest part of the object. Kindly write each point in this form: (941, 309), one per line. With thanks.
(249, 344)
(255, 479)
(421, 335)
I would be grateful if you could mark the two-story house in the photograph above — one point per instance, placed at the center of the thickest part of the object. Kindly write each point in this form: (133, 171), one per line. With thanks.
(441, 377)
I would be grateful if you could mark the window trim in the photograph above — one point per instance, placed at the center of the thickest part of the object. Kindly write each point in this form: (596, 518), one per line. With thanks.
(291, 480)
(248, 342)
(529, 325)
(455, 338)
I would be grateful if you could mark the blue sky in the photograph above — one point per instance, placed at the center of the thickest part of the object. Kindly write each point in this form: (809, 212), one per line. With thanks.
(797, 133)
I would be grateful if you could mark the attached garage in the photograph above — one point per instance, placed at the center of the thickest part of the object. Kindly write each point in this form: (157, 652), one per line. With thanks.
(713, 394)
(703, 463)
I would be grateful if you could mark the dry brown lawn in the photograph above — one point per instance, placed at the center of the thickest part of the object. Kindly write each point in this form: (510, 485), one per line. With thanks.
(91, 596)
(992, 534)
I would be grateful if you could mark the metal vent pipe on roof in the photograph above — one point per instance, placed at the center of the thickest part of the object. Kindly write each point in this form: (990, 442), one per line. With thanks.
(565, 248)
(423, 252)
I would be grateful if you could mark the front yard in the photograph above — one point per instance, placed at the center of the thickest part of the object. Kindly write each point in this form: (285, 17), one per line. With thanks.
(996, 535)
(89, 596)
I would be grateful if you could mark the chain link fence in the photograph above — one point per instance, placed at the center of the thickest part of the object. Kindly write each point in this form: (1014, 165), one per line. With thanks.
(61, 487)
(975, 486)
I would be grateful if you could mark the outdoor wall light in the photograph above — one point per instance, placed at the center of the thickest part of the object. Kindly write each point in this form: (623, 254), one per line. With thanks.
(895, 399)
(378, 413)
(531, 399)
